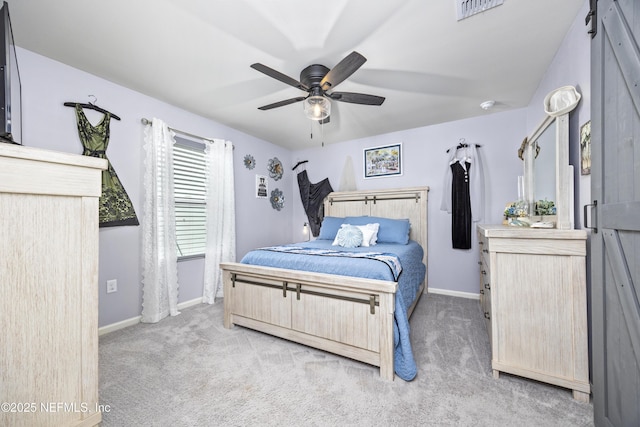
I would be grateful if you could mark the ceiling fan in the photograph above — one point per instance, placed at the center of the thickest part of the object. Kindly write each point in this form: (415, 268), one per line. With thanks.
(317, 80)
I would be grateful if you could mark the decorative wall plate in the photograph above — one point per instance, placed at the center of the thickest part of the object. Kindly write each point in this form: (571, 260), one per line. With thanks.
(249, 162)
(277, 199)
(275, 168)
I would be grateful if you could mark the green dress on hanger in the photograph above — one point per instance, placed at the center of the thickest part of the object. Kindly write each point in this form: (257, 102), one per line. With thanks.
(115, 206)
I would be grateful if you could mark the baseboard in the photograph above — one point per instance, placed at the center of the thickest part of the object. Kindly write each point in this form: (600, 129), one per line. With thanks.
(135, 320)
(190, 303)
(118, 325)
(458, 294)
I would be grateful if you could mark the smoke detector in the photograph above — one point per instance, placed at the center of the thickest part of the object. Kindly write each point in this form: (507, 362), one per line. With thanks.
(487, 105)
(467, 8)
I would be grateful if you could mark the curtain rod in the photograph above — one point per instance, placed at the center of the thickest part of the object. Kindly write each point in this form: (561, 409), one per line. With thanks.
(146, 121)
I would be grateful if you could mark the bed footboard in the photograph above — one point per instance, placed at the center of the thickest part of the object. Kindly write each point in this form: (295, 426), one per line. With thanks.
(349, 316)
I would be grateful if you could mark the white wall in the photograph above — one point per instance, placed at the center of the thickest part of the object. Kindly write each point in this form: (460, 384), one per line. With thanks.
(47, 84)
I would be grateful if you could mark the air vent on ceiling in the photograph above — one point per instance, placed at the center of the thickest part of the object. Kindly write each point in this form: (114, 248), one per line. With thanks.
(467, 8)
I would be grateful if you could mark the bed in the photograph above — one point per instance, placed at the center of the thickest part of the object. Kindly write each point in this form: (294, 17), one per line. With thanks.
(361, 314)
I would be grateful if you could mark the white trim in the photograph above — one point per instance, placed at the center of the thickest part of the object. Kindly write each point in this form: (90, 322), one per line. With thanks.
(135, 320)
(458, 294)
(118, 325)
(190, 303)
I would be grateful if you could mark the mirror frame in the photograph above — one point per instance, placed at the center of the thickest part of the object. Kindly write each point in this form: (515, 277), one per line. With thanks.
(564, 175)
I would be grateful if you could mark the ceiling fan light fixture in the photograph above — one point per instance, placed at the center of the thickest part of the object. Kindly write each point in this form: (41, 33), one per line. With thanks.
(317, 107)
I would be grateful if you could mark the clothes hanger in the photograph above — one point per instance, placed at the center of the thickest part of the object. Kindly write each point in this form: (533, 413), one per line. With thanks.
(463, 144)
(91, 106)
(298, 164)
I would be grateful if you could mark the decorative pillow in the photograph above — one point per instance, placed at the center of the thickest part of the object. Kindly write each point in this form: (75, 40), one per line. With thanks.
(348, 237)
(390, 230)
(329, 228)
(369, 233)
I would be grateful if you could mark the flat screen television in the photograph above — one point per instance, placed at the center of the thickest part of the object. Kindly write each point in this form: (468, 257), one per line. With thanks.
(10, 88)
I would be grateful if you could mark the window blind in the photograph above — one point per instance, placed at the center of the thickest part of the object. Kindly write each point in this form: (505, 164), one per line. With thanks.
(190, 199)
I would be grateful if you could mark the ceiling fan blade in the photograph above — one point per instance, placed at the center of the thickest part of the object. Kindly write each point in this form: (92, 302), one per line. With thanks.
(356, 98)
(342, 70)
(282, 103)
(279, 76)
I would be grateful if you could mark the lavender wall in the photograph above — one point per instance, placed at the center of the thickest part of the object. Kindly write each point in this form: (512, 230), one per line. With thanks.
(47, 84)
(570, 66)
(425, 161)
(500, 134)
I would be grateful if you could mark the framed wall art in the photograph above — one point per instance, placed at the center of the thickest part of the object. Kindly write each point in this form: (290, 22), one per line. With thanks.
(585, 148)
(262, 187)
(383, 161)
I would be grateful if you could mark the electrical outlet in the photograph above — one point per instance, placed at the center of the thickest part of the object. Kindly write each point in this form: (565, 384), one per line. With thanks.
(112, 286)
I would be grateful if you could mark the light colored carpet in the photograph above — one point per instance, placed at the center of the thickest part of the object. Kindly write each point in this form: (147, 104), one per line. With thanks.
(189, 370)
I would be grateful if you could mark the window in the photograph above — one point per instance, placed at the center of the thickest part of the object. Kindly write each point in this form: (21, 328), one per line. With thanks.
(190, 197)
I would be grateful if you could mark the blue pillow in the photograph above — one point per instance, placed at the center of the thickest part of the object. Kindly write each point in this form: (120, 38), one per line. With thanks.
(390, 231)
(349, 236)
(329, 228)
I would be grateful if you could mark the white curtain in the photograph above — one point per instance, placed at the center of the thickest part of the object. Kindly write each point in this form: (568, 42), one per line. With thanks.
(159, 258)
(221, 214)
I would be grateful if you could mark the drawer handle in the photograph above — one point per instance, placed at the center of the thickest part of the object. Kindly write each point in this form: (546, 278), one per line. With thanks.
(482, 291)
(487, 315)
(487, 286)
(484, 271)
(486, 251)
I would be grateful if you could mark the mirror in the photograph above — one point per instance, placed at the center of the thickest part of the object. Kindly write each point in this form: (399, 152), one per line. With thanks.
(544, 166)
(547, 173)
(549, 145)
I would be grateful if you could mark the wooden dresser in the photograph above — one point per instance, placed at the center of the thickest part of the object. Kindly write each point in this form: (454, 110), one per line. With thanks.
(48, 287)
(533, 296)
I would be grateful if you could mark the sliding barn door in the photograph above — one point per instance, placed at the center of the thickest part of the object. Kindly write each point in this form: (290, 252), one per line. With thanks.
(615, 246)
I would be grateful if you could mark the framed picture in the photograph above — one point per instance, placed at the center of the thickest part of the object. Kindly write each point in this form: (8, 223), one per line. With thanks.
(383, 161)
(262, 187)
(585, 148)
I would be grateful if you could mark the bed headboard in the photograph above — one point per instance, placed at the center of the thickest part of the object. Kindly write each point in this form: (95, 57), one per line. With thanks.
(402, 203)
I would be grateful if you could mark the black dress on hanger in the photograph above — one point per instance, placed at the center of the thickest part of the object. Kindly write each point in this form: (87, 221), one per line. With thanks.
(312, 196)
(463, 195)
(460, 206)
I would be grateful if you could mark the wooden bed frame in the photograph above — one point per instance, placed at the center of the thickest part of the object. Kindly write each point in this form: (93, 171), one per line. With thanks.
(349, 316)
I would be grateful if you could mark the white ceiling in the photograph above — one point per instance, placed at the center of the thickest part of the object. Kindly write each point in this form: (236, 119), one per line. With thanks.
(195, 54)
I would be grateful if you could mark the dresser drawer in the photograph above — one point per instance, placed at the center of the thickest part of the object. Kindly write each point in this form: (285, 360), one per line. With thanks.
(533, 297)
(485, 281)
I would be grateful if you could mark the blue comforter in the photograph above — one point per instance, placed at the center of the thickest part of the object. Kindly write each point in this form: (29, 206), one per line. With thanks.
(412, 275)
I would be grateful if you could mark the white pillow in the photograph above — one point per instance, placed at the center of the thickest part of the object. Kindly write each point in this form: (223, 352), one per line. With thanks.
(374, 237)
(369, 233)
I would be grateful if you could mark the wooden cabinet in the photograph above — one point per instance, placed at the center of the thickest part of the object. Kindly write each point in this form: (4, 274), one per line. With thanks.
(533, 296)
(49, 287)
